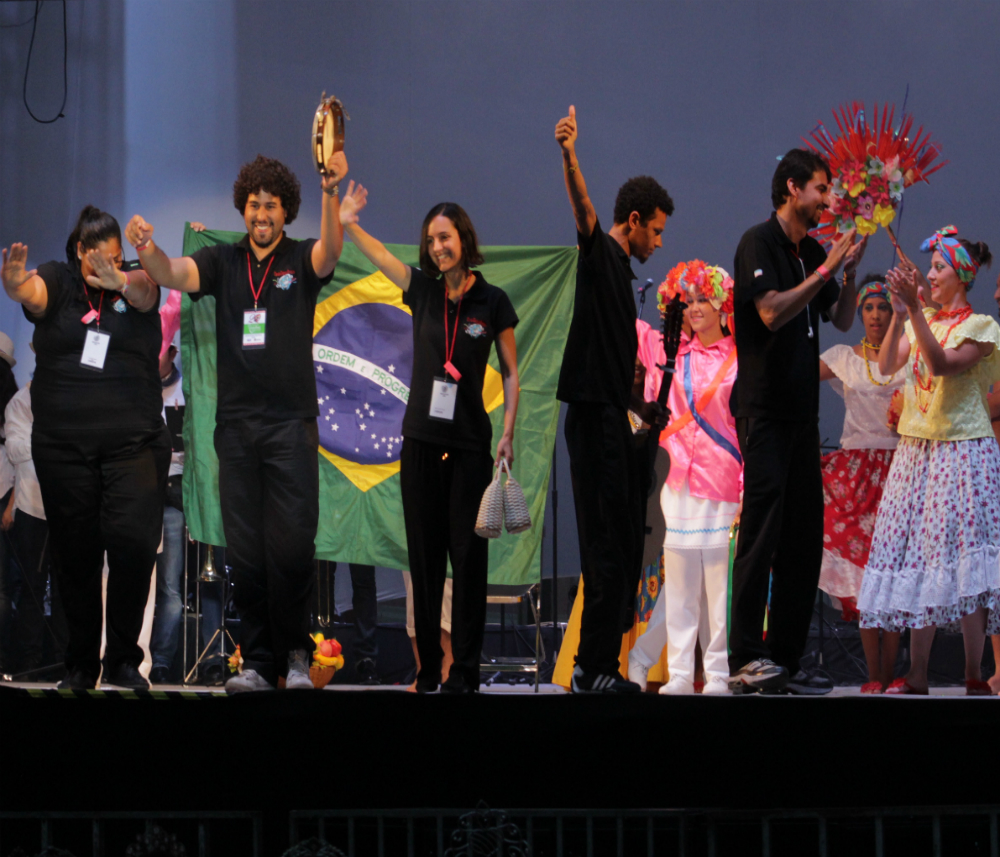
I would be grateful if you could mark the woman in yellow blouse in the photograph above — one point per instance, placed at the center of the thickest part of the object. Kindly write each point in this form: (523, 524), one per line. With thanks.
(935, 555)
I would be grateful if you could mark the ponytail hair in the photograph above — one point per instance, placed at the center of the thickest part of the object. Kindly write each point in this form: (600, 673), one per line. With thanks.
(93, 227)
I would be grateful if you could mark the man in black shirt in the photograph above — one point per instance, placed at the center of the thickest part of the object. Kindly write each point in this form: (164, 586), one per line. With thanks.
(596, 383)
(265, 289)
(784, 280)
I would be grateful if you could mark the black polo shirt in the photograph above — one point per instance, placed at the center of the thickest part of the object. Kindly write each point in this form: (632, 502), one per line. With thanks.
(486, 311)
(67, 396)
(278, 380)
(779, 371)
(599, 360)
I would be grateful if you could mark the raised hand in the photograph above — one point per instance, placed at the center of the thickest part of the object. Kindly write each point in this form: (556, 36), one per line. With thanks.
(13, 273)
(106, 274)
(854, 256)
(838, 252)
(566, 132)
(138, 232)
(352, 202)
(336, 169)
(197, 226)
(902, 289)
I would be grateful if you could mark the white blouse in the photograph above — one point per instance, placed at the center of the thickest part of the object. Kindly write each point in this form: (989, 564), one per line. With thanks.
(867, 403)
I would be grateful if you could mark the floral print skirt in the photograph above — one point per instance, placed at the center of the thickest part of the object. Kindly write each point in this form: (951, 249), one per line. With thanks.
(935, 553)
(852, 488)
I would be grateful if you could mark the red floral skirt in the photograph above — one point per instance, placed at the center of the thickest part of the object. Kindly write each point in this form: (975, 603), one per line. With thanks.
(852, 489)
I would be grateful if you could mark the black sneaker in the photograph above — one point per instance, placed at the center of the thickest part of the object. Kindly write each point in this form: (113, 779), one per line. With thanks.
(127, 676)
(77, 680)
(366, 672)
(808, 684)
(761, 675)
(457, 687)
(159, 675)
(214, 676)
(601, 683)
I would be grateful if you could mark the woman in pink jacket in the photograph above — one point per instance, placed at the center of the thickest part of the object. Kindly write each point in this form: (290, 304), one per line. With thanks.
(701, 496)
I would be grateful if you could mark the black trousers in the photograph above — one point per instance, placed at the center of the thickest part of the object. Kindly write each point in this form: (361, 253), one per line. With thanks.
(103, 492)
(603, 466)
(781, 536)
(365, 607)
(442, 489)
(29, 539)
(269, 490)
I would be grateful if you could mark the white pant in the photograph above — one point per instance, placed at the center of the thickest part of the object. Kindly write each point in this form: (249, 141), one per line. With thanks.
(691, 605)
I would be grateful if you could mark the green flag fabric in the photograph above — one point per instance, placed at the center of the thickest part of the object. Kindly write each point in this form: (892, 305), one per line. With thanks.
(362, 351)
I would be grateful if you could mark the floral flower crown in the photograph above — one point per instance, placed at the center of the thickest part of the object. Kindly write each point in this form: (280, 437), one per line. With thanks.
(871, 166)
(695, 277)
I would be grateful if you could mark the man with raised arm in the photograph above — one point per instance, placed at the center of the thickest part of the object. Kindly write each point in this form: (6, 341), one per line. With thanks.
(265, 288)
(596, 383)
(784, 280)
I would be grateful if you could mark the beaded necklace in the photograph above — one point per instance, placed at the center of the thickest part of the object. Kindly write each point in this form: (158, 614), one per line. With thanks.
(959, 315)
(865, 345)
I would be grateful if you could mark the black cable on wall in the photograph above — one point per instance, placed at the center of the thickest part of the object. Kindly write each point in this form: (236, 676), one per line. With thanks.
(27, 65)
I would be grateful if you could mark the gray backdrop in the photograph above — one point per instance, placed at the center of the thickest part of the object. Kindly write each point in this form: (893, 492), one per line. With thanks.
(458, 100)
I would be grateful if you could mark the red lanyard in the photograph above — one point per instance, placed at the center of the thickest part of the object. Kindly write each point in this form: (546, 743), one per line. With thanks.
(94, 313)
(256, 293)
(449, 367)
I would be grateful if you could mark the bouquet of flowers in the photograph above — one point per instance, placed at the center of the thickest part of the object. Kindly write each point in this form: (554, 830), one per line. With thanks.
(694, 277)
(872, 164)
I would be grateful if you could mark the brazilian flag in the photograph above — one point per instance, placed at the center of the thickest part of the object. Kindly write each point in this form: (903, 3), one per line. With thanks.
(363, 359)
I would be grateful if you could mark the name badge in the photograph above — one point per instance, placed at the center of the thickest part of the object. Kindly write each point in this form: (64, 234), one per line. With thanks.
(254, 328)
(443, 397)
(95, 350)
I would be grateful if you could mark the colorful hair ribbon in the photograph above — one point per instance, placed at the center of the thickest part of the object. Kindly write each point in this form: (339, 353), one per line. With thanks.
(957, 256)
(876, 289)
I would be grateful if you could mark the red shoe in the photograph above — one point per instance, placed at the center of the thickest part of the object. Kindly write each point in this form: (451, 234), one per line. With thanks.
(974, 687)
(872, 687)
(901, 687)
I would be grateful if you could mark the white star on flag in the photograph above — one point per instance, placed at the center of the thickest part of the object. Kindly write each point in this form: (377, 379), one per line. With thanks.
(342, 391)
(367, 406)
(363, 427)
(335, 427)
(319, 401)
(373, 435)
(319, 368)
(376, 446)
(392, 368)
(332, 411)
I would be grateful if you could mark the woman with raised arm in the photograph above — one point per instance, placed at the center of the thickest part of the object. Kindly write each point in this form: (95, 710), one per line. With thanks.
(935, 555)
(100, 447)
(445, 462)
(854, 475)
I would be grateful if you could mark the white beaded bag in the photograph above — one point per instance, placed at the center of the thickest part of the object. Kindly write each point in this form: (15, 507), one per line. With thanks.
(489, 522)
(517, 519)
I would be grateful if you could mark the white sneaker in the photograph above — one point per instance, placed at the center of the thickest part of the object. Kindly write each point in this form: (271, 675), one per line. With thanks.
(298, 671)
(717, 684)
(247, 680)
(677, 687)
(637, 672)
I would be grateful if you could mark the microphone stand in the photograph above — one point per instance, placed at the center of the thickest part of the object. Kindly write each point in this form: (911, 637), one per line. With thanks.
(642, 296)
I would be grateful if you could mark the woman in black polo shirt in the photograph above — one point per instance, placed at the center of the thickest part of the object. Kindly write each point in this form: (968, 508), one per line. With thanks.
(100, 447)
(446, 461)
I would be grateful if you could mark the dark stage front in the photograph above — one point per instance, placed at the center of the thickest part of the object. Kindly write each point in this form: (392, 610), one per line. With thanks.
(281, 753)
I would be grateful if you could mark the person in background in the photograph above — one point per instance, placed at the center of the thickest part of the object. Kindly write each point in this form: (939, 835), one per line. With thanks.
(853, 476)
(700, 498)
(100, 447)
(935, 549)
(9, 571)
(365, 608)
(411, 628)
(30, 541)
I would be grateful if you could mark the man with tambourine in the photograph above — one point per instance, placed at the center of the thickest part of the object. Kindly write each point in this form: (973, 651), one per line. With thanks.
(265, 288)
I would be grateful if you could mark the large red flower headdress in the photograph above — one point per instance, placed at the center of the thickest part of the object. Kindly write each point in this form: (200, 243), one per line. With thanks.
(871, 164)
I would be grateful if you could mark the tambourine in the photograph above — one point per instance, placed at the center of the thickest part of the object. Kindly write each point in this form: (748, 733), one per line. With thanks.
(328, 130)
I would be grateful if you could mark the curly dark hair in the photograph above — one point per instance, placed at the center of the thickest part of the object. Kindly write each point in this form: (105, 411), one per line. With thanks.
(644, 195)
(271, 176)
(466, 235)
(799, 166)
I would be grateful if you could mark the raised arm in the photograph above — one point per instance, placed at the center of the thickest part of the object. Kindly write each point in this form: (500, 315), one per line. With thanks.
(25, 287)
(374, 250)
(135, 286)
(180, 274)
(895, 350)
(326, 251)
(576, 187)
(776, 308)
(939, 360)
(507, 354)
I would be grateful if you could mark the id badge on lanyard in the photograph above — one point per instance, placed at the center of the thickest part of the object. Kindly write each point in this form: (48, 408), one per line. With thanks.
(96, 341)
(444, 393)
(254, 328)
(255, 320)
